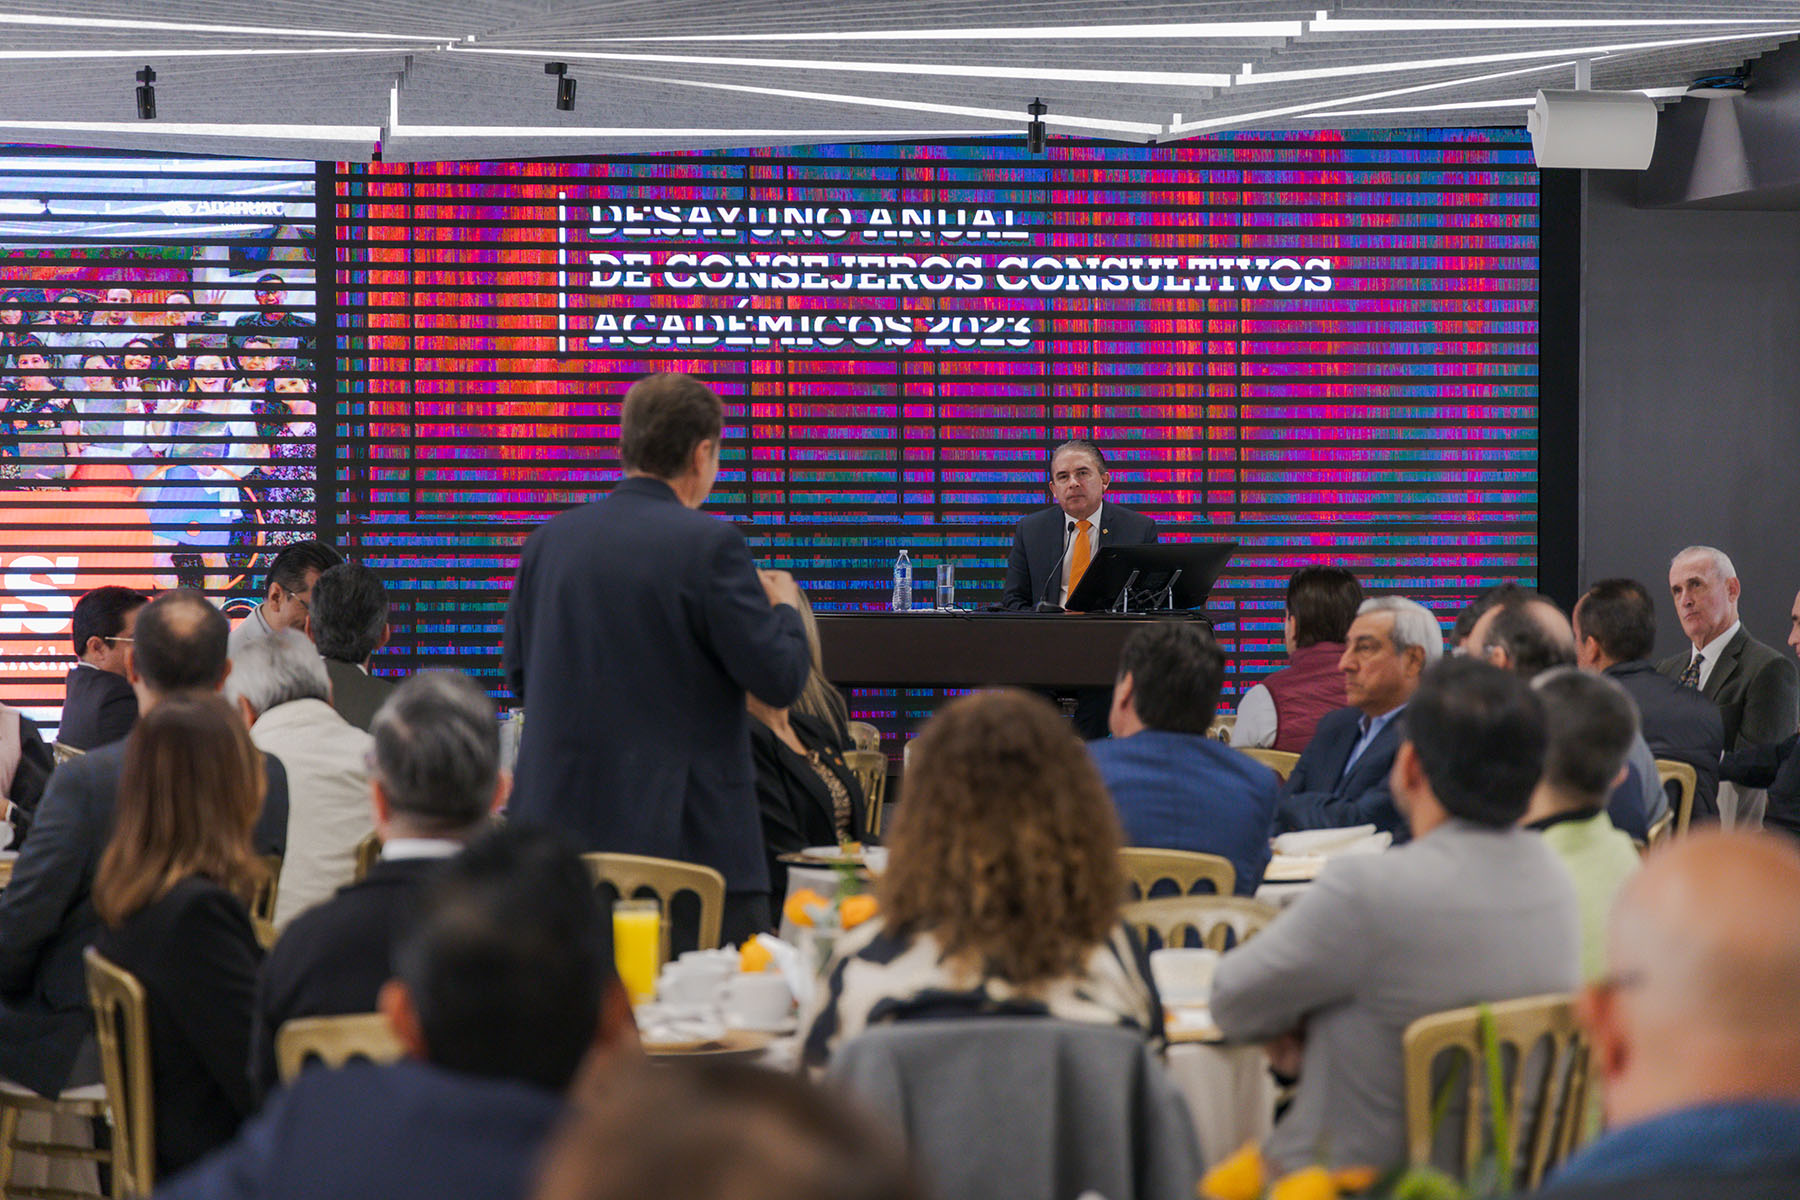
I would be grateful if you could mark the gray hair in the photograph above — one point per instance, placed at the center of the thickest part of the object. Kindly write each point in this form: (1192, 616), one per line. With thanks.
(270, 671)
(437, 749)
(1721, 563)
(1414, 625)
(1080, 446)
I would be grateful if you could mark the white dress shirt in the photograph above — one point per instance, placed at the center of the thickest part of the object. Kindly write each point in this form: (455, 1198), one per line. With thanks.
(1093, 537)
(1711, 652)
(1255, 724)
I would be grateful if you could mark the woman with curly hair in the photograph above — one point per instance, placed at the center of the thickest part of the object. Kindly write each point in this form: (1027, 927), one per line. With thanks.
(1002, 891)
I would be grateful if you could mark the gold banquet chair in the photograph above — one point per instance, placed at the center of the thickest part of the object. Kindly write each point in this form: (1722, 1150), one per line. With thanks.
(1280, 761)
(864, 736)
(1145, 868)
(62, 752)
(871, 770)
(334, 1041)
(122, 1029)
(665, 878)
(1687, 780)
(368, 853)
(1544, 1055)
(262, 901)
(1219, 922)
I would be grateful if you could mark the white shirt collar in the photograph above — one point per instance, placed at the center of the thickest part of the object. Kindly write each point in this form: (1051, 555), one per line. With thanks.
(399, 849)
(1711, 651)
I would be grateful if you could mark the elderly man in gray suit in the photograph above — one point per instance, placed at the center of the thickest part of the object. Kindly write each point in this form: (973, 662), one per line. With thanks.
(1471, 910)
(1756, 688)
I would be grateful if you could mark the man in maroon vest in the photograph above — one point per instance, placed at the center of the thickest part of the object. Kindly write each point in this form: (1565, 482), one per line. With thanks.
(1283, 710)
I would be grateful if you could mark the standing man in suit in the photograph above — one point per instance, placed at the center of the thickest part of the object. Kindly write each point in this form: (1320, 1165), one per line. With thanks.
(636, 627)
(1175, 788)
(1615, 628)
(1472, 909)
(1052, 548)
(348, 622)
(1756, 687)
(1342, 776)
(99, 706)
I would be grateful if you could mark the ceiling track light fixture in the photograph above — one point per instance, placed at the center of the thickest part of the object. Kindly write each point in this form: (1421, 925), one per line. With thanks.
(565, 85)
(146, 94)
(1037, 138)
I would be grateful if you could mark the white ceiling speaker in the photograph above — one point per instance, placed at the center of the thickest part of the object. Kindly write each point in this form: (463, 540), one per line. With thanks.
(1602, 131)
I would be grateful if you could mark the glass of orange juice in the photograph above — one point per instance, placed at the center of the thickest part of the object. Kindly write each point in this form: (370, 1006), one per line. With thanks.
(637, 946)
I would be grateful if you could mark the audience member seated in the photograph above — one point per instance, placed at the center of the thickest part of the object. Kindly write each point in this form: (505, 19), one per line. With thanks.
(504, 987)
(289, 592)
(279, 684)
(721, 1131)
(1174, 787)
(1591, 721)
(1002, 889)
(1615, 629)
(821, 701)
(1283, 710)
(807, 796)
(1775, 766)
(99, 705)
(25, 766)
(348, 622)
(1755, 686)
(435, 780)
(1473, 611)
(1693, 1029)
(1473, 909)
(1527, 634)
(46, 913)
(171, 890)
(1342, 776)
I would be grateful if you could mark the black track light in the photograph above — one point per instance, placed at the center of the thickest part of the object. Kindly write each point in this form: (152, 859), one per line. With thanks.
(565, 85)
(146, 94)
(1036, 136)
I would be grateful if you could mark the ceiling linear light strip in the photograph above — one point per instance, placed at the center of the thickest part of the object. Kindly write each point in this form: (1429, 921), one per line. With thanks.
(1657, 93)
(197, 27)
(319, 133)
(293, 52)
(1327, 24)
(1238, 119)
(552, 131)
(1250, 76)
(949, 70)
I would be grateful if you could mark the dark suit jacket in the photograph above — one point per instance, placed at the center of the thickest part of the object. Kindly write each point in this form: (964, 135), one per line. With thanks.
(1776, 767)
(196, 955)
(1181, 791)
(334, 957)
(47, 915)
(1755, 686)
(1317, 799)
(795, 803)
(1680, 724)
(99, 708)
(1780, 1182)
(355, 693)
(410, 1131)
(1037, 549)
(635, 628)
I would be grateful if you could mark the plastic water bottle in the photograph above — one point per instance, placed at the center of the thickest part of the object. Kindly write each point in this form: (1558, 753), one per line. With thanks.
(902, 601)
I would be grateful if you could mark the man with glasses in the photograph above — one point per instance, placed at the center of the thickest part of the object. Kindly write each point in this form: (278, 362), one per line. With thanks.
(99, 706)
(289, 595)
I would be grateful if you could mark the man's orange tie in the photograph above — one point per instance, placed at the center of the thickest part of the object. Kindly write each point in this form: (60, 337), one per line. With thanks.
(1079, 554)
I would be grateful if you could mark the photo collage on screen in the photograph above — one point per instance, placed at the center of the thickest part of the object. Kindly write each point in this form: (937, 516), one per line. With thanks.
(158, 424)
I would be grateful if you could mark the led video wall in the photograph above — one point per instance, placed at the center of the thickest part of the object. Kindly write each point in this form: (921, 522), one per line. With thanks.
(1322, 346)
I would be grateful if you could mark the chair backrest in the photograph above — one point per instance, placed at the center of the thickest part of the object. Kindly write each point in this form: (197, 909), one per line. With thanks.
(1145, 868)
(1280, 761)
(871, 770)
(262, 902)
(1546, 1054)
(1055, 1108)
(1686, 780)
(122, 1028)
(630, 874)
(334, 1041)
(1219, 922)
(864, 736)
(62, 752)
(1659, 832)
(1220, 729)
(368, 853)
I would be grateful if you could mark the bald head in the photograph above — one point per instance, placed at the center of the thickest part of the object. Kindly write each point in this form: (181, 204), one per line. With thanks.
(1703, 978)
(180, 642)
(1525, 634)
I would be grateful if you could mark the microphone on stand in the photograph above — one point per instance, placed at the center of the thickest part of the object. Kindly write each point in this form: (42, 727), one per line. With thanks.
(1043, 604)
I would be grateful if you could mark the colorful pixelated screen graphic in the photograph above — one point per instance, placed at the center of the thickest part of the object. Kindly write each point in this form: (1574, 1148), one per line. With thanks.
(1322, 346)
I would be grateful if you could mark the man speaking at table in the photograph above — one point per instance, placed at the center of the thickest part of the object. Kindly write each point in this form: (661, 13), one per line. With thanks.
(636, 627)
(1052, 548)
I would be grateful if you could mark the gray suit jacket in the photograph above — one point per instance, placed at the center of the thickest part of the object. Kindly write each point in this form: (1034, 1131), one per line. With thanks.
(1460, 916)
(1756, 688)
(355, 693)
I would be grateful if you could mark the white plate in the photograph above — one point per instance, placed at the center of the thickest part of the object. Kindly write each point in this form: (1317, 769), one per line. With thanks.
(1321, 841)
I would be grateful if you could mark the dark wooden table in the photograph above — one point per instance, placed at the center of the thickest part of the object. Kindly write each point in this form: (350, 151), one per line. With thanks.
(978, 649)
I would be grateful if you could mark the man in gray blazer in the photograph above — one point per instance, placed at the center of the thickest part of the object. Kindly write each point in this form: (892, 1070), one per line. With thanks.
(1471, 910)
(1756, 688)
(348, 623)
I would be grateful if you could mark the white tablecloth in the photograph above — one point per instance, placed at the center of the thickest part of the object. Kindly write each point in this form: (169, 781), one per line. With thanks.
(1228, 1091)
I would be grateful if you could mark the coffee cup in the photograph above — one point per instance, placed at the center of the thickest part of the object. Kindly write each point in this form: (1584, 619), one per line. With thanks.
(1184, 975)
(760, 1002)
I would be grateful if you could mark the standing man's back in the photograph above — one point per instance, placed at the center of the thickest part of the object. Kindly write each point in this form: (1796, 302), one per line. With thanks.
(636, 627)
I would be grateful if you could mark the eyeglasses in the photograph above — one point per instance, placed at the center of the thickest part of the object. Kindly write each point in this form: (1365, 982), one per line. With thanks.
(121, 639)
